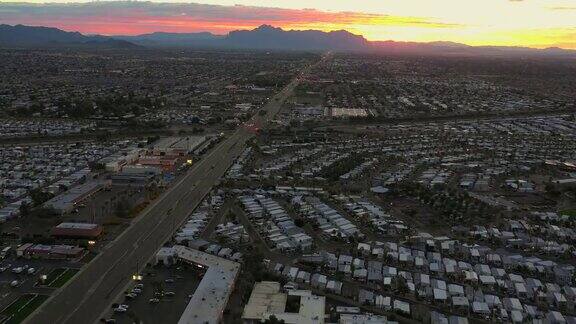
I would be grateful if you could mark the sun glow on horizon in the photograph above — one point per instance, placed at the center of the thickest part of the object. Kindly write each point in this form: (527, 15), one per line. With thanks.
(533, 23)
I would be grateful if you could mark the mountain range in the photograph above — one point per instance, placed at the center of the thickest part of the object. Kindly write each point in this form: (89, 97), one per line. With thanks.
(264, 37)
(28, 36)
(162, 39)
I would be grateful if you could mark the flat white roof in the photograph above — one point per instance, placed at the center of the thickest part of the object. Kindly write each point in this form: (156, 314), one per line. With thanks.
(69, 198)
(78, 225)
(210, 298)
(265, 298)
(180, 143)
(311, 309)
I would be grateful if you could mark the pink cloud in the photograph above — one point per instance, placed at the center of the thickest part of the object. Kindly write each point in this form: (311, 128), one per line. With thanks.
(113, 18)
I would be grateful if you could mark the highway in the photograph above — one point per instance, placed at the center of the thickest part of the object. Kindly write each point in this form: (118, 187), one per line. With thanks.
(96, 286)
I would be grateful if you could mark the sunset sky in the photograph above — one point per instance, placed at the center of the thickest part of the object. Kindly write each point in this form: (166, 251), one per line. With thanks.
(534, 23)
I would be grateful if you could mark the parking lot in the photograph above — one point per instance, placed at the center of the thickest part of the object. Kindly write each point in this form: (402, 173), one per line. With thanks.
(21, 277)
(164, 295)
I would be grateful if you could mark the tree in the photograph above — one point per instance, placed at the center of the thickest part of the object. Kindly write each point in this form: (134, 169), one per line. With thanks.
(152, 139)
(97, 166)
(309, 124)
(299, 222)
(42, 212)
(122, 209)
(400, 286)
(39, 197)
(552, 190)
(25, 209)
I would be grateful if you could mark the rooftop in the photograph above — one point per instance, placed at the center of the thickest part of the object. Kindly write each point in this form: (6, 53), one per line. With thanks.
(210, 298)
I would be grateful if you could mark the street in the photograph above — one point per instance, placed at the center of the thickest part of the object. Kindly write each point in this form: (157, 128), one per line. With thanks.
(96, 286)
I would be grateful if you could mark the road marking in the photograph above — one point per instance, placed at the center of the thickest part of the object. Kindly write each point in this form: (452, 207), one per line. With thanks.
(141, 221)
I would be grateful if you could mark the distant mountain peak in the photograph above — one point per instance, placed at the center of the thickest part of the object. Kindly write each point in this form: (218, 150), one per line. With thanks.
(556, 49)
(270, 37)
(448, 44)
(265, 27)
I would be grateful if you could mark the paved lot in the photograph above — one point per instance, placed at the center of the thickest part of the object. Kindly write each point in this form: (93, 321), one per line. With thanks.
(27, 283)
(169, 309)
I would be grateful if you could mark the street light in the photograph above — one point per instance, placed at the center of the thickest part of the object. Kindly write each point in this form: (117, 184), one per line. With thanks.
(137, 276)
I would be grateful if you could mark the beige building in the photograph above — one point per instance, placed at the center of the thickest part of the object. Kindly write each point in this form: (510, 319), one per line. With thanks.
(267, 299)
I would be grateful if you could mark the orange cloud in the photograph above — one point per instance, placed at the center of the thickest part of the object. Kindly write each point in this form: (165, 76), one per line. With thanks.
(132, 18)
(113, 18)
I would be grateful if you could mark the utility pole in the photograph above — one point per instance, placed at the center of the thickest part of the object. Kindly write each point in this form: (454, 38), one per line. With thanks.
(93, 213)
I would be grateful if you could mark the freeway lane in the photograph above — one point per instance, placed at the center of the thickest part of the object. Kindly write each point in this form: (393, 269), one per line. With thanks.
(93, 289)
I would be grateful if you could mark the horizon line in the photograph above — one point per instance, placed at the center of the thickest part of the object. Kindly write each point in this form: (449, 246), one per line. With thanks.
(297, 30)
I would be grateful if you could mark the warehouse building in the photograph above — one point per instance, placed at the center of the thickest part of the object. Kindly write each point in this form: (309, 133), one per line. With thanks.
(77, 230)
(211, 297)
(178, 146)
(267, 300)
(67, 201)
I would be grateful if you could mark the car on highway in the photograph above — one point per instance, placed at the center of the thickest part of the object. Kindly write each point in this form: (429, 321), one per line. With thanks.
(17, 270)
(131, 295)
(14, 283)
(120, 310)
(169, 294)
(154, 300)
(169, 280)
(136, 291)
